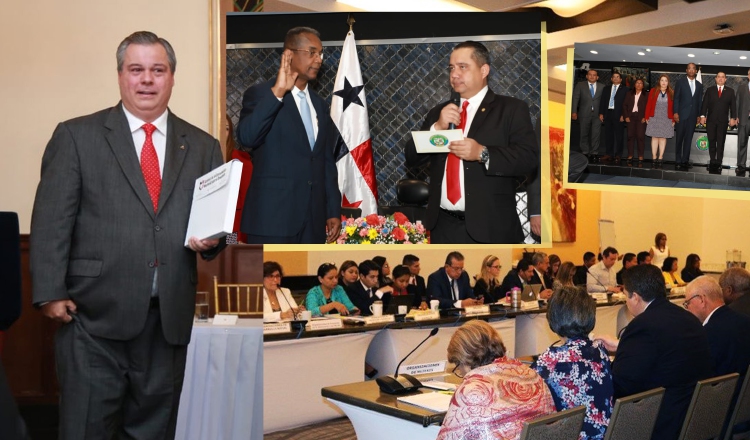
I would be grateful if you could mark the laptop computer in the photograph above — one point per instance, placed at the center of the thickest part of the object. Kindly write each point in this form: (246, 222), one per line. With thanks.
(399, 300)
(531, 292)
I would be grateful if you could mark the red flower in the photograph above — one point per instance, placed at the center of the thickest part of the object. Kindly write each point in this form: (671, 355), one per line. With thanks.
(398, 234)
(400, 218)
(372, 220)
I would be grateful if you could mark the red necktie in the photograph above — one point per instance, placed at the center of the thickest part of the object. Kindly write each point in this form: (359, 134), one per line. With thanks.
(150, 166)
(452, 171)
(719, 92)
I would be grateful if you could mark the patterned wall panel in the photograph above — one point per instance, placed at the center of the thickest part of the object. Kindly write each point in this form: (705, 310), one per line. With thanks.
(402, 83)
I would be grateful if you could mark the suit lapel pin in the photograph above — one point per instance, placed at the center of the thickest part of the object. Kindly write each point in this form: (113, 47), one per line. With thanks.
(182, 147)
(482, 108)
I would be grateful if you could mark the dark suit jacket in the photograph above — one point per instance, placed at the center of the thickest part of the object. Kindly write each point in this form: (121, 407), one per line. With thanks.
(503, 125)
(582, 101)
(439, 288)
(581, 275)
(510, 281)
(289, 179)
(361, 298)
(622, 91)
(490, 293)
(686, 105)
(741, 304)
(743, 104)
(629, 102)
(94, 236)
(717, 110)
(419, 291)
(537, 280)
(10, 270)
(665, 346)
(729, 340)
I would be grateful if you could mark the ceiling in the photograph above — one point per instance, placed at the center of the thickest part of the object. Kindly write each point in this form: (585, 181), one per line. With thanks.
(674, 23)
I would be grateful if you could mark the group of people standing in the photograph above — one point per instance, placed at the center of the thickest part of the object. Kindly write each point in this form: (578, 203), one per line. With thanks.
(664, 112)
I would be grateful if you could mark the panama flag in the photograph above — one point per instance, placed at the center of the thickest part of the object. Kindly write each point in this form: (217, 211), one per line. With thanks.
(354, 150)
(698, 76)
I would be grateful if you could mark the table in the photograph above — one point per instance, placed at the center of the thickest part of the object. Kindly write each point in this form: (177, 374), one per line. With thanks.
(295, 371)
(222, 392)
(377, 416)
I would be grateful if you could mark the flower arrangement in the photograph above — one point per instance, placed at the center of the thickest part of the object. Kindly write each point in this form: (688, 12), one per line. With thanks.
(378, 229)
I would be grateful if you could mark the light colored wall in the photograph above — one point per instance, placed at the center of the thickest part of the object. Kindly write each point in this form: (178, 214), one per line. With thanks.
(58, 62)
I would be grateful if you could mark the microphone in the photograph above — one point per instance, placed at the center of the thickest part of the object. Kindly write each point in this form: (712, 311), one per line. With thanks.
(455, 99)
(597, 280)
(294, 314)
(405, 383)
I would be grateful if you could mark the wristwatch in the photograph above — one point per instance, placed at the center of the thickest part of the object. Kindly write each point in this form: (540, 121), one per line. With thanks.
(485, 156)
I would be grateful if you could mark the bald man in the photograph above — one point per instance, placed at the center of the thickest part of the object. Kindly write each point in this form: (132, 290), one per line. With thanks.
(728, 331)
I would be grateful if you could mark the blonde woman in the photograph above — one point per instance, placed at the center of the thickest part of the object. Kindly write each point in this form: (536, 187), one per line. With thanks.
(488, 280)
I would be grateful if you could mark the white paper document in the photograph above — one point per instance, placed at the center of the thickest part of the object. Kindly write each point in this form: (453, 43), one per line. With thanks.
(215, 202)
(436, 401)
(435, 141)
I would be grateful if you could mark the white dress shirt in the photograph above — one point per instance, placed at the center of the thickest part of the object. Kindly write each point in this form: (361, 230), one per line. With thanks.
(599, 278)
(159, 136)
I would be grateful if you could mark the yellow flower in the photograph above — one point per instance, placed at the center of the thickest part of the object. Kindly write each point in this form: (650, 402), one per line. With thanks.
(366, 242)
(350, 230)
(372, 233)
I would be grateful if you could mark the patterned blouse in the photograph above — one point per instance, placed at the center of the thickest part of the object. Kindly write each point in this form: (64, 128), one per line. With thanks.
(494, 400)
(579, 373)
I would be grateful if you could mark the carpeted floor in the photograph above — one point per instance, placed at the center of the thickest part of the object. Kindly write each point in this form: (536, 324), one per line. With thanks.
(336, 429)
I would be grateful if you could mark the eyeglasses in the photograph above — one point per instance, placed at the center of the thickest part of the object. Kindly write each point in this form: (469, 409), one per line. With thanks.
(457, 269)
(686, 304)
(311, 53)
(496, 267)
(274, 275)
(457, 372)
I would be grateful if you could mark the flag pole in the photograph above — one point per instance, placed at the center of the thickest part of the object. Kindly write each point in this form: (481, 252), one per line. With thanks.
(350, 21)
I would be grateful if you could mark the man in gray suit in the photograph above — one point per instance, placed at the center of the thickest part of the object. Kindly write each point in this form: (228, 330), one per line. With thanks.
(107, 255)
(586, 97)
(743, 118)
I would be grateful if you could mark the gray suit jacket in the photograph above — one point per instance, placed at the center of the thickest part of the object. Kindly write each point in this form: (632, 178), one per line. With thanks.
(743, 104)
(94, 236)
(582, 101)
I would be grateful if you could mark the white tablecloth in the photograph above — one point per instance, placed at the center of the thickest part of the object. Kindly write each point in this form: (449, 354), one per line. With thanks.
(222, 394)
(296, 370)
(389, 346)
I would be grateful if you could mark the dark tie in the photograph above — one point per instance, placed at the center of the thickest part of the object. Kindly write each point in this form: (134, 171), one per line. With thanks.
(452, 171)
(372, 292)
(453, 290)
(150, 166)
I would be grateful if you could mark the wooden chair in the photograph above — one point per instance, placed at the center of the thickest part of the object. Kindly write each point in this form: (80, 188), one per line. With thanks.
(634, 417)
(244, 300)
(708, 408)
(563, 425)
(741, 412)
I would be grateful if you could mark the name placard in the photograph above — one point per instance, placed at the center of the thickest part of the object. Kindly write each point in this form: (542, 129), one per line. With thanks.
(429, 367)
(325, 324)
(529, 305)
(276, 327)
(225, 319)
(477, 310)
(427, 316)
(379, 319)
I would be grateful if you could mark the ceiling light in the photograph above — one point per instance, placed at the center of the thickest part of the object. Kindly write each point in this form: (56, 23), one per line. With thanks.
(743, 57)
(594, 52)
(641, 53)
(691, 55)
(648, 50)
(562, 67)
(563, 8)
(717, 52)
(410, 5)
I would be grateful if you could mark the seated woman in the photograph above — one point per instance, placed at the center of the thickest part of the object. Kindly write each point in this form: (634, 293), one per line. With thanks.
(692, 269)
(488, 280)
(669, 270)
(497, 394)
(383, 272)
(329, 297)
(554, 266)
(278, 302)
(578, 372)
(348, 273)
(564, 276)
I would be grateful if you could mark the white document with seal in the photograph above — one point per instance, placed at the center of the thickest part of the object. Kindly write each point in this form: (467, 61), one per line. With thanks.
(435, 141)
(215, 202)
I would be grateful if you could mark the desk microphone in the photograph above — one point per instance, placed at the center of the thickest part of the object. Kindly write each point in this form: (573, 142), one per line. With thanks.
(294, 314)
(455, 99)
(597, 279)
(405, 383)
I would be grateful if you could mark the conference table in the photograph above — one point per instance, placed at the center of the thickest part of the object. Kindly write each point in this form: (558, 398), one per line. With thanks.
(222, 393)
(299, 364)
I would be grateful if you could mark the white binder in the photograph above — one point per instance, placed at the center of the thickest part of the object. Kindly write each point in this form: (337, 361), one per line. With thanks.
(215, 202)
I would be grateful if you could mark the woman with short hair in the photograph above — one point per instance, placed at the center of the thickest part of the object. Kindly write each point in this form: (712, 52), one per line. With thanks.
(497, 394)
(577, 372)
(278, 302)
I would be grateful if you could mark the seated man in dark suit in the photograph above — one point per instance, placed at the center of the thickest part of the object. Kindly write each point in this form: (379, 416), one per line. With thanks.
(643, 257)
(589, 259)
(518, 277)
(628, 260)
(366, 292)
(663, 346)
(735, 285)
(540, 261)
(417, 286)
(450, 284)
